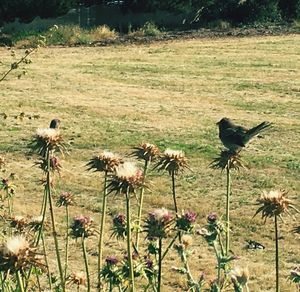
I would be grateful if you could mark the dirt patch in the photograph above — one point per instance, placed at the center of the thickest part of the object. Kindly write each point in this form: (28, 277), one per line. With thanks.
(198, 34)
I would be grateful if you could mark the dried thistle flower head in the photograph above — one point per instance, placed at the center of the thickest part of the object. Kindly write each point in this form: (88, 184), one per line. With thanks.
(274, 203)
(145, 151)
(126, 179)
(104, 162)
(157, 224)
(65, 199)
(240, 276)
(36, 223)
(16, 254)
(172, 161)
(82, 226)
(78, 279)
(228, 159)
(47, 139)
(18, 222)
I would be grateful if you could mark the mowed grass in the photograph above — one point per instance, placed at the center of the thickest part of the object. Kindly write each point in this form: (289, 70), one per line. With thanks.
(171, 94)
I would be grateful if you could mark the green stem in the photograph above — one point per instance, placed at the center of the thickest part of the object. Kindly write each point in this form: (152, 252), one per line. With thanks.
(20, 281)
(169, 246)
(159, 263)
(218, 259)
(46, 261)
(67, 242)
(193, 285)
(228, 193)
(140, 208)
(86, 264)
(102, 225)
(54, 233)
(129, 249)
(174, 193)
(277, 255)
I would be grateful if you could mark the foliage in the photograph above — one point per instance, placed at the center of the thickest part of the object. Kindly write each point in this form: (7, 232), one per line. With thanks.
(26, 10)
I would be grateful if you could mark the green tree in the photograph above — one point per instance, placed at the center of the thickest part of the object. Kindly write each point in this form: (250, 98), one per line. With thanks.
(26, 10)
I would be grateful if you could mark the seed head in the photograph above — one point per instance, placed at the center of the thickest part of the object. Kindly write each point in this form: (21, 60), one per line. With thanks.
(172, 161)
(227, 159)
(36, 223)
(274, 203)
(65, 199)
(158, 223)
(104, 162)
(126, 179)
(18, 222)
(47, 139)
(16, 254)
(145, 151)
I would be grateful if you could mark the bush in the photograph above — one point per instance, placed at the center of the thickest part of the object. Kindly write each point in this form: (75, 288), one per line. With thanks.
(103, 32)
(27, 10)
(148, 29)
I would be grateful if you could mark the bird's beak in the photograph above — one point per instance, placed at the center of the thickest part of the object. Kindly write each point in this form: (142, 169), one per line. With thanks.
(218, 123)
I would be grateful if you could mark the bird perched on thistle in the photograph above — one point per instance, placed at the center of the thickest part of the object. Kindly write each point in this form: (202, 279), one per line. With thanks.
(235, 137)
(54, 124)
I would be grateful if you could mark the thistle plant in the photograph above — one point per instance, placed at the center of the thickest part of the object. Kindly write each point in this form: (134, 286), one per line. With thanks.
(274, 204)
(17, 255)
(105, 162)
(228, 160)
(157, 226)
(19, 223)
(146, 152)
(213, 234)
(172, 161)
(119, 226)
(185, 226)
(45, 143)
(9, 189)
(66, 199)
(126, 180)
(111, 273)
(83, 227)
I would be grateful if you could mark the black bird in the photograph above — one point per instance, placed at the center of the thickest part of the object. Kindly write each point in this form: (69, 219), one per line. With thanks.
(234, 137)
(54, 124)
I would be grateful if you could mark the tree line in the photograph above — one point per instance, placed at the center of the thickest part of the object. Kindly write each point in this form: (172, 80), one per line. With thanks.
(233, 11)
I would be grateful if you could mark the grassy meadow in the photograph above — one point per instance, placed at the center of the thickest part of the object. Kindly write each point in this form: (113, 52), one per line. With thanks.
(170, 94)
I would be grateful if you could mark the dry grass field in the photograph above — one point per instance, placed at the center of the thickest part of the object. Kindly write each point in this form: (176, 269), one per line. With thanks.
(170, 94)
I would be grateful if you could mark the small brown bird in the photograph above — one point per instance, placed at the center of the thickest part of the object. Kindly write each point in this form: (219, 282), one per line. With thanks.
(54, 124)
(234, 137)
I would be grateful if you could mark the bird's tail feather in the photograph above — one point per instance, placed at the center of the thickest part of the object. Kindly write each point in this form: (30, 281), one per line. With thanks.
(256, 130)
